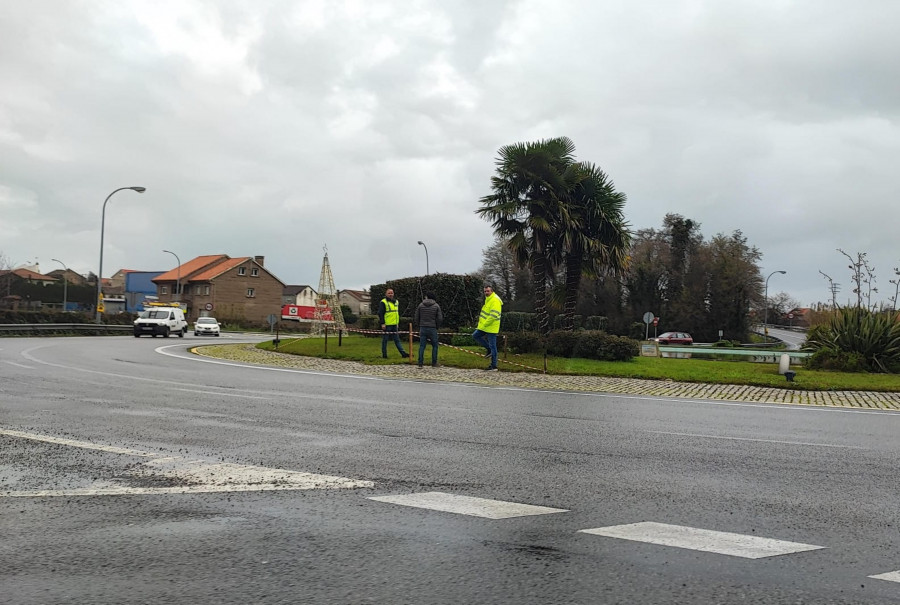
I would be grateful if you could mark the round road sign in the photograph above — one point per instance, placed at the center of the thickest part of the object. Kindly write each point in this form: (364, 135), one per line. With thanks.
(208, 306)
(648, 317)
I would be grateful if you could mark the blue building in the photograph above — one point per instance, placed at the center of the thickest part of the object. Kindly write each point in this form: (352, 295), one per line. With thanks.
(138, 286)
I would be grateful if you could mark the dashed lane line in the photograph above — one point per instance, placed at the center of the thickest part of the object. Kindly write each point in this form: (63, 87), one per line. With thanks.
(705, 540)
(468, 505)
(891, 576)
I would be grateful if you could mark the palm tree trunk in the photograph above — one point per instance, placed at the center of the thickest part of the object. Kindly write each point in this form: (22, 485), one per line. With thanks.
(539, 277)
(573, 283)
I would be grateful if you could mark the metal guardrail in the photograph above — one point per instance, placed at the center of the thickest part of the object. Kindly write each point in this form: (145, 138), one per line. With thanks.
(47, 329)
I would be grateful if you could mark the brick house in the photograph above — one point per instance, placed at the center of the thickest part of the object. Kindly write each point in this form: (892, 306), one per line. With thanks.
(74, 278)
(229, 289)
(359, 301)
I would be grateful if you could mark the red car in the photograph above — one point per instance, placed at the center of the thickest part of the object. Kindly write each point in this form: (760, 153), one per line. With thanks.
(675, 338)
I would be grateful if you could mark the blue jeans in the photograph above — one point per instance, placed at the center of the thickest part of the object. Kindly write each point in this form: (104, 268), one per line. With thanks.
(390, 333)
(428, 335)
(489, 342)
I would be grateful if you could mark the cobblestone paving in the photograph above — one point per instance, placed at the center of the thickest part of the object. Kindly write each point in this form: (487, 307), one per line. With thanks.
(247, 353)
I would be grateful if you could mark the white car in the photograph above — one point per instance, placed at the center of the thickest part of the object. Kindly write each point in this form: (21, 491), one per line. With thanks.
(161, 320)
(206, 325)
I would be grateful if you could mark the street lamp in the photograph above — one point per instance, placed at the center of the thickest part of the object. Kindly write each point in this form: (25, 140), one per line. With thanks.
(766, 305)
(65, 283)
(178, 280)
(102, 227)
(421, 243)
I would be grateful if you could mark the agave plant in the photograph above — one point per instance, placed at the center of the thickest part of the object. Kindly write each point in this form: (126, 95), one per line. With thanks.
(856, 330)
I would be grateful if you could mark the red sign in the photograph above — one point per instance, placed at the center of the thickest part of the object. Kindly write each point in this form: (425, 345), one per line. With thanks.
(208, 306)
(300, 313)
(655, 321)
(790, 316)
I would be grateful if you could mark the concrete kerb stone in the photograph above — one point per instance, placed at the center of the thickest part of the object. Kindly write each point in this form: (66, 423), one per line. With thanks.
(248, 353)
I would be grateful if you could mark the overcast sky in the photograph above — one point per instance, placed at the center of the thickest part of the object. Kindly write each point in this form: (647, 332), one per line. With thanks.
(275, 128)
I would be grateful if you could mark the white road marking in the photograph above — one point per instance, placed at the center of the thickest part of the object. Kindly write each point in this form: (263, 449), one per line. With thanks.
(190, 476)
(786, 407)
(847, 447)
(73, 443)
(18, 365)
(719, 542)
(220, 394)
(891, 576)
(467, 505)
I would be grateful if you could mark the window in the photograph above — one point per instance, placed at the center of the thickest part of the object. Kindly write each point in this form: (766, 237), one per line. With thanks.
(242, 270)
(206, 290)
(254, 272)
(164, 289)
(185, 289)
(251, 293)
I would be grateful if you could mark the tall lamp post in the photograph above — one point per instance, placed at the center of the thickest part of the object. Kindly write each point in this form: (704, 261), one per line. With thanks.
(178, 279)
(421, 243)
(766, 305)
(102, 227)
(65, 283)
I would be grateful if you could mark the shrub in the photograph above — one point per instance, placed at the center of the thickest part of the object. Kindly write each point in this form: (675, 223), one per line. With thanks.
(561, 343)
(618, 348)
(831, 359)
(872, 337)
(525, 342)
(463, 338)
(596, 322)
(559, 322)
(515, 321)
(368, 322)
(588, 342)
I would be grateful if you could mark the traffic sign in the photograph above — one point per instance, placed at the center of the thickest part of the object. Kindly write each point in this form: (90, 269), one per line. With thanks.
(272, 318)
(655, 321)
(208, 306)
(648, 317)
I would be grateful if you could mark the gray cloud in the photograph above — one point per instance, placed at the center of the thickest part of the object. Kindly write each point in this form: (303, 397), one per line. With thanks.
(274, 128)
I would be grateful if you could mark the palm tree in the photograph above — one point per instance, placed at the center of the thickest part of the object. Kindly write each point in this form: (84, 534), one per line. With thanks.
(596, 238)
(528, 205)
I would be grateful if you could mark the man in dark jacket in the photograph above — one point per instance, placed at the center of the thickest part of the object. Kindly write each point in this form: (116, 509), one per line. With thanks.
(428, 318)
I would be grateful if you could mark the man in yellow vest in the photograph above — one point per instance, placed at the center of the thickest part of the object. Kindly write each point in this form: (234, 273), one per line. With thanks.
(489, 325)
(389, 313)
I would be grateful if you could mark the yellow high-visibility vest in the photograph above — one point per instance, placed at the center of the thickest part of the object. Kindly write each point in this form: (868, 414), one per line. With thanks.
(489, 318)
(391, 315)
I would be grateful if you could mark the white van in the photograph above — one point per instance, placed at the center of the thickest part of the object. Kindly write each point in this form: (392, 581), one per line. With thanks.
(161, 321)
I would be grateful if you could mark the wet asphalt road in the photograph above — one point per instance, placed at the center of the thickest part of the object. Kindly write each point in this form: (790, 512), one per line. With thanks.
(817, 476)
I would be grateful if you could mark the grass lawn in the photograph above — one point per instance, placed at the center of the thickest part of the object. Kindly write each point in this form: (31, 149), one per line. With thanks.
(368, 350)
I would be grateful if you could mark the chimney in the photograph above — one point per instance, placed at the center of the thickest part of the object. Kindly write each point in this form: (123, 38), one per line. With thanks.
(261, 260)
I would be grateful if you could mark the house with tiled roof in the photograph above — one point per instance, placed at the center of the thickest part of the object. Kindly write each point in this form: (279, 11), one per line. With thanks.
(301, 295)
(359, 301)
(230, 289)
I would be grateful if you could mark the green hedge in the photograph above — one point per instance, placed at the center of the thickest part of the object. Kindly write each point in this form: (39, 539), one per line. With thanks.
(460, 297)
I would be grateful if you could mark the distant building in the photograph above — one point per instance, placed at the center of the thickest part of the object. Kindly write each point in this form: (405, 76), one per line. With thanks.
(74, 279)
(302, 296)
(139, 287)
(359, 301)
(239, 289)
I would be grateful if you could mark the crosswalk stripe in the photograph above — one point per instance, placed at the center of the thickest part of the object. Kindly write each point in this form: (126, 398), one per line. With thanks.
(719, 542)
(467, 505)
(891, 576)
